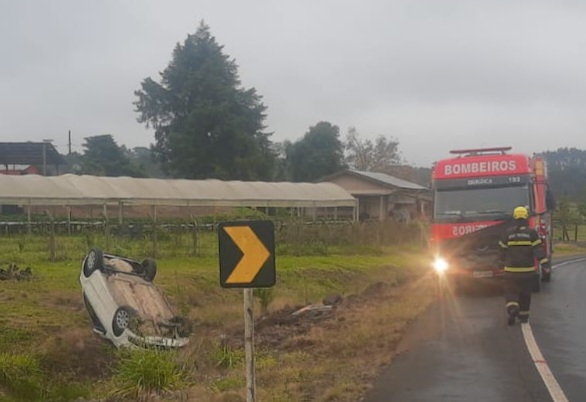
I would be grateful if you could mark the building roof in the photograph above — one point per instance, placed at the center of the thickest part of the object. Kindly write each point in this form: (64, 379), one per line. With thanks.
(382, 178)
(71, 189)
(390, 180)
(29, 153)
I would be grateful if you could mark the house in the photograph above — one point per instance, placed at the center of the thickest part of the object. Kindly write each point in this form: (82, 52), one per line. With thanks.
(20, 170)
(21, 158)
(27, 158)
(384, 197)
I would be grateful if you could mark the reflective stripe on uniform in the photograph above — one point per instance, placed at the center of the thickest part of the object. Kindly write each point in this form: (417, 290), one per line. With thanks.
(503, 245)
(523, 312)
(512, 304)
(519, 269)
(536, 242)
(519, 243)
(543, 261)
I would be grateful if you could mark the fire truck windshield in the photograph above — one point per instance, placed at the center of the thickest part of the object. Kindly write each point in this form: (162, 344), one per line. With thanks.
(495, 203)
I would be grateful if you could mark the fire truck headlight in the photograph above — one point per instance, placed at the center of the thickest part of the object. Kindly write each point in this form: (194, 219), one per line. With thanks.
(440, 265)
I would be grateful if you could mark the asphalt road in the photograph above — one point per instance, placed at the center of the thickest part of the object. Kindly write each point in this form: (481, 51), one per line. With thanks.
(461, 349)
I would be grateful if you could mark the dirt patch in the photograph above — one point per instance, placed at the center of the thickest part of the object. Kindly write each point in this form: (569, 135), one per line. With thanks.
(288, 329)
(282, 330)
(78, 353)
(332, 353)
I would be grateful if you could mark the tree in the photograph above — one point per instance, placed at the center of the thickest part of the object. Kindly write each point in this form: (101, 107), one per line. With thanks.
(103, 157)
(319, 153)
(73, 162)
(365, 155)
(206, 125)
(582, 210)
(567, 214)
(567, 172)
(143, 158)
(281, 171)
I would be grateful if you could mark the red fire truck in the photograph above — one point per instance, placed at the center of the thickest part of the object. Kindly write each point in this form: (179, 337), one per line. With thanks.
(474, 194)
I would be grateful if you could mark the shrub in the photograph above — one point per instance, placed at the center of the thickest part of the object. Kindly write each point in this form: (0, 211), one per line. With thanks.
(22, 376)
(265, 296)
(141, 372)
(225, 356)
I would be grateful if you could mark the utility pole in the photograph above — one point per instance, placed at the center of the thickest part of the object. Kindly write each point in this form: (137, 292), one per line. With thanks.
(69, 143)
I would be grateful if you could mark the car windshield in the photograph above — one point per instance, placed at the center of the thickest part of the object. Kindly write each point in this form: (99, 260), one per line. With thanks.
(475, 204)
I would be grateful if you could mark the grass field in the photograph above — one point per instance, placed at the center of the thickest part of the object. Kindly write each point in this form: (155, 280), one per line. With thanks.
(49, 353)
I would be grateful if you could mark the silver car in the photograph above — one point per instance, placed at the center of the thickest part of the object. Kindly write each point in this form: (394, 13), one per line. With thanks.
(124, 304)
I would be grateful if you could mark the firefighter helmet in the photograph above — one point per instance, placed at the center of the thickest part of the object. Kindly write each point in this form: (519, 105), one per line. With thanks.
(520, 213)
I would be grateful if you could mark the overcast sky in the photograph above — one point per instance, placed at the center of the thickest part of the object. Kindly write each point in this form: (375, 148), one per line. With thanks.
(435, 75)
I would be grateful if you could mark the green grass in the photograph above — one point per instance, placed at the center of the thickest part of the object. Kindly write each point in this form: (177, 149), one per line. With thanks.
(568, 248)
(139, 373)
(23, 376)
(46, 314)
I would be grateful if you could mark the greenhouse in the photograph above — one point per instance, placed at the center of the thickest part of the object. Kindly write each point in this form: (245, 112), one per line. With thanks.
(32, 191)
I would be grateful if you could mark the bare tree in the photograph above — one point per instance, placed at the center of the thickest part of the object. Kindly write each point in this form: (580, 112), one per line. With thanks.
(382, 155)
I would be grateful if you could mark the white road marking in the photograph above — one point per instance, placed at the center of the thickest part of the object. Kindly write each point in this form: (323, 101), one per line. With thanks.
(556, 392)
(561, 264)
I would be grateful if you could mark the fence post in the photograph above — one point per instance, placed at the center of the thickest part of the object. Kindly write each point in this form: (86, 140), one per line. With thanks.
(565, 235)
(28, 212)
(51, 235)
(194, 236)
(120, 213)
(155, 240)
(69, 220)
(106, 229)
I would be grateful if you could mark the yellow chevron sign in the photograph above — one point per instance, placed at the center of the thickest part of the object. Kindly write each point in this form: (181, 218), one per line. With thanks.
(247, 254)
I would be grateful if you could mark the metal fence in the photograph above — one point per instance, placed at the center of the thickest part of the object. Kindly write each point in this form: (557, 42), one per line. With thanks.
(199, 239)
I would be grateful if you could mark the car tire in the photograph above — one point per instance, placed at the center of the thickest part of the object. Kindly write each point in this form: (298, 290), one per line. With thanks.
(93, 261)
(122, 320)
(149, 268)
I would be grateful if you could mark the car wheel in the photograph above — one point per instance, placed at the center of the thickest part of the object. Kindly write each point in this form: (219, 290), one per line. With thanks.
(149, 267)
(93, 261)
(121, 321)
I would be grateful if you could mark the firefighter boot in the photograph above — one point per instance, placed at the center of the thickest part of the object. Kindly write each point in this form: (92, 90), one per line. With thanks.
(524, 317)
(513, 313)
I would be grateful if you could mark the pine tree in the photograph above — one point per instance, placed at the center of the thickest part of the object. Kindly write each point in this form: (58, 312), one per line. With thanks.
(206, 125)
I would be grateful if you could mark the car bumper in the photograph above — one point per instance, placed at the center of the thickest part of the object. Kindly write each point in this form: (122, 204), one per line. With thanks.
(156, 341)
(477, 273)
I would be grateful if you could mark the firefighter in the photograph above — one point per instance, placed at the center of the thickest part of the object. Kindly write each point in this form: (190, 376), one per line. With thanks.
(520, 246)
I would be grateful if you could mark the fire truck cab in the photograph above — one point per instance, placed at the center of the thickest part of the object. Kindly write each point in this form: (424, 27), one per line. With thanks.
(474, 194)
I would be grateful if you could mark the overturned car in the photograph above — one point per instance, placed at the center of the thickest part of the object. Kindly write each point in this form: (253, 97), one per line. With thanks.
(124, 304)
